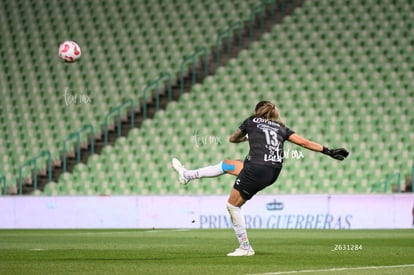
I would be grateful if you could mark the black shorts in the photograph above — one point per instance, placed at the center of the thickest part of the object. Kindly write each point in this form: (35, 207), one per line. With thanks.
(255, 177)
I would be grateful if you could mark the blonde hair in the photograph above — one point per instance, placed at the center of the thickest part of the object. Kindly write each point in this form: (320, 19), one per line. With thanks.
(268, 111)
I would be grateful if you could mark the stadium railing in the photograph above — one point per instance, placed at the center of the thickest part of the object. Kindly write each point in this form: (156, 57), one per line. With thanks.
(4, 186)
(33, 162)
(192, 59)
(229, 34)
(77, 135)
(156, 84)
(117, 110)
(396, 178)
(387, 183)
(260, 8)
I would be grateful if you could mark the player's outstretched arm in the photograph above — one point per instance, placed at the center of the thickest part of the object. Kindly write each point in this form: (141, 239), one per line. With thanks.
(338, 153)
(238, 136)
(306, 143)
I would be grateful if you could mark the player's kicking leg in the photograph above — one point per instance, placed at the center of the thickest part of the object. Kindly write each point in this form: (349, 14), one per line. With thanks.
(232, 167)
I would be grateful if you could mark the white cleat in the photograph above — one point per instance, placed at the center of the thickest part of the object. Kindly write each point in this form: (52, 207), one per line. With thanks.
(180, 170)
(241, 252)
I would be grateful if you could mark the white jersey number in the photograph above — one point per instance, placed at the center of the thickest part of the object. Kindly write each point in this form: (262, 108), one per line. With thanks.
(271, 137)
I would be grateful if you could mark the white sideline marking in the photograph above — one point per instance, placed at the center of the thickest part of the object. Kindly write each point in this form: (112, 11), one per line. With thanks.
(167, 230)
(336, 269)
(38, 249)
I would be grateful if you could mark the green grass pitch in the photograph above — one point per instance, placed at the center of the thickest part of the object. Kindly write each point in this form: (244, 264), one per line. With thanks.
(204, 252)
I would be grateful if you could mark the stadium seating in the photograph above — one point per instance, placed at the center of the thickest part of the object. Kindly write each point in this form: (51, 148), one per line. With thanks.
(125, 45)
(341, 73)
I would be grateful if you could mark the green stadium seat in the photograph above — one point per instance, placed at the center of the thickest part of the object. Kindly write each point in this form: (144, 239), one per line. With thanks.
(328, 64)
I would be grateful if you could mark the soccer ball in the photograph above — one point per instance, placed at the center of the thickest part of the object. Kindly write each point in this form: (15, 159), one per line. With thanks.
(69, 51)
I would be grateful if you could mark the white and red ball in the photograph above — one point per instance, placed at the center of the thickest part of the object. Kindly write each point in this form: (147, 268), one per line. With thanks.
(69, 51)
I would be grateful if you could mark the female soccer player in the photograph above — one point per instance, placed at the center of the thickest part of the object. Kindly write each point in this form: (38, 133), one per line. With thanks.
(266, 135)
(227, 166)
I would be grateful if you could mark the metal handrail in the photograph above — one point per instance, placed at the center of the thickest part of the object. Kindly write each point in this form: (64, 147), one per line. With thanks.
(77, 136)
(33, 162)
(127, 102)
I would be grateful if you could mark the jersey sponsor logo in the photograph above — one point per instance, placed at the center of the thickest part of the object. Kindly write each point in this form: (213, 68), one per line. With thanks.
(272, 158)
(265, 127)
(262, 120)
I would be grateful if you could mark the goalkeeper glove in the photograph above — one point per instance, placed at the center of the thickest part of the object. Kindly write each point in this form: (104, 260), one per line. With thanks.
(338, 153)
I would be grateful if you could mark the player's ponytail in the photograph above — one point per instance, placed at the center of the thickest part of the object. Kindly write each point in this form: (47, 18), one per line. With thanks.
(268, 111)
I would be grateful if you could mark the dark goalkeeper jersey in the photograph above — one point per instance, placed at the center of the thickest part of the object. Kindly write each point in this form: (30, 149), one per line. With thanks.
(266, 140)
